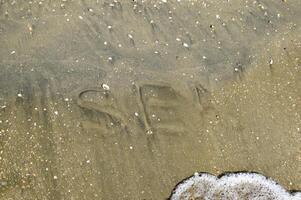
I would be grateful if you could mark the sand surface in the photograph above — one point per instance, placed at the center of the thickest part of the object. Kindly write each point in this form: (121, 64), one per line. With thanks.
(124, 99)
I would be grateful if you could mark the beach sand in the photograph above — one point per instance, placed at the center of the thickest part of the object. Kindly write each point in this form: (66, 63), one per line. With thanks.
(123, 100)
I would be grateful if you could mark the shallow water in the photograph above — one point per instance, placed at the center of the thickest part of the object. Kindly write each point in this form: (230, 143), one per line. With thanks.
(123, 100)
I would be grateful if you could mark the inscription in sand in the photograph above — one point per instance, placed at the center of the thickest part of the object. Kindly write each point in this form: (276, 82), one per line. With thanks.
(100, 111)
(160, 104)
(160, 107)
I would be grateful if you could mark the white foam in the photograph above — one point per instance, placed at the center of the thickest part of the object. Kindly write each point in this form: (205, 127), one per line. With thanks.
(197, 185)
(233, 186)
(297, 196)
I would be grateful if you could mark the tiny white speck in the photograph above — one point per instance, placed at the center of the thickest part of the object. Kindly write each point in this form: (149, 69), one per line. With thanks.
(54, 177)
(130, 36)
(56, 112)
(20, 95)
(136, 114)
(149, 132)
(80, 17)
(271, 61)
(185, 45)
(13, 52)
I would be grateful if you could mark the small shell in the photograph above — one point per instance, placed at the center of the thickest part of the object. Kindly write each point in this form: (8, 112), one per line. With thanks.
(105, 86)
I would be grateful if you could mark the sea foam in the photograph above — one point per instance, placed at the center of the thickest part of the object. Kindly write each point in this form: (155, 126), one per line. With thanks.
(231, 186)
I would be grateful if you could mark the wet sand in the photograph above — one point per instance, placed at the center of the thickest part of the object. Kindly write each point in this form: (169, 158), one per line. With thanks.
(123, 100)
